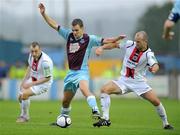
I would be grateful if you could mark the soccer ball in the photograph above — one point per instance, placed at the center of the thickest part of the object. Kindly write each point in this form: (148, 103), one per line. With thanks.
(63, 121)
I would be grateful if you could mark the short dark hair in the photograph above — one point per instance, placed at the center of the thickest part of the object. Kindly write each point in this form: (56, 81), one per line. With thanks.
(34, 44)
(77, 21)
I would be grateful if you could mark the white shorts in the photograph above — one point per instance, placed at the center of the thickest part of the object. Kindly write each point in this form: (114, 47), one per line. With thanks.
(131, 85)
(39, 89)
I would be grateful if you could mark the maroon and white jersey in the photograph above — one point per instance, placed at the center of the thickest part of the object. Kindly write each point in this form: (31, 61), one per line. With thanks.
(135, 62)
(41, 68)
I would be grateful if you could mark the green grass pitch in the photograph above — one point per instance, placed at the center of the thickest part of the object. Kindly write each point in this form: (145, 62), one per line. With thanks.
(128, 117)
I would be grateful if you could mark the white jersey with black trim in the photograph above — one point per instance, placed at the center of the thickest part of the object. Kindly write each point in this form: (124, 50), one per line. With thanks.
(136, 63)
(41, 68)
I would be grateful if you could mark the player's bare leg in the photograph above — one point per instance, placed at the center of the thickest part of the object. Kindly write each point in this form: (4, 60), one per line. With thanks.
(68, 96)
(66, 107)
(24, 105)
(151, 97)
(107, 89)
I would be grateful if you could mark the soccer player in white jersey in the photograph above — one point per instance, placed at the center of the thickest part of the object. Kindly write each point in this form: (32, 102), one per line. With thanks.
(173, 18)
(138, 58)
(78, 48)
(37, 80)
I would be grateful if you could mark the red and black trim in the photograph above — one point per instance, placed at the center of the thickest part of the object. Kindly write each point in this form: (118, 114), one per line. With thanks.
(35, 66)
(135, 55)
(130, 72)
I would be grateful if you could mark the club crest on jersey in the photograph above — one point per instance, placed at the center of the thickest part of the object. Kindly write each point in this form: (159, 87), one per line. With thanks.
(71, 39)
(82, 41)
(74, 47)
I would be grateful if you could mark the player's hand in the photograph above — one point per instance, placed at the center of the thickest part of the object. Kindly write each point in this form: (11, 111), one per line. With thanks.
(169, 36)
(120, 37)
(154, 68)
(42, 8)
(99, 51)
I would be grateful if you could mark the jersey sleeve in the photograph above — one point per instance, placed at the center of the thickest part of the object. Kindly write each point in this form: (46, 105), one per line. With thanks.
(29, 59)
(95, 40)
(46, 69)
(125, 44)
(175, 13)
(64, 32)
(151, 59)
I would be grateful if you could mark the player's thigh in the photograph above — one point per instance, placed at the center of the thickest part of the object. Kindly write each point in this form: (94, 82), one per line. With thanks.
(151, 97)
(84, 87)
(111, 88)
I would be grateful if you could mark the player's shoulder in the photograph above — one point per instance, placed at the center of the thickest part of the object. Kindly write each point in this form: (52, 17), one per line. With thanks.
(85, 36)
(93, 36)
(129, 43)
(63, 29)
(46, 57)
(30, 58)
(149, 53)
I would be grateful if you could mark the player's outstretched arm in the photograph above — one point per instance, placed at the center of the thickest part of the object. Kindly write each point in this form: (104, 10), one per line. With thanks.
(167, 33)
(109, 43)
(48, 19)
(107, 46)
(114, 39)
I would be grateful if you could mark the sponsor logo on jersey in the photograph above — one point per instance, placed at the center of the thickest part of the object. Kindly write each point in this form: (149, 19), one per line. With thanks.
(74, 47)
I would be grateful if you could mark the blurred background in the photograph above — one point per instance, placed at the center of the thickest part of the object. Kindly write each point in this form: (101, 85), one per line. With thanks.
(21, 24)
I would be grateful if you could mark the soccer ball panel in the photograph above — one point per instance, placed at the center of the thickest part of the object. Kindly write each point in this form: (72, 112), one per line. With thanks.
(68, 121)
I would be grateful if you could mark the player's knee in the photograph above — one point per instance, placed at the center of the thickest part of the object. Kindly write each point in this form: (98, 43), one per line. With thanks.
(104, 90)
(23, 96)
(156, 102)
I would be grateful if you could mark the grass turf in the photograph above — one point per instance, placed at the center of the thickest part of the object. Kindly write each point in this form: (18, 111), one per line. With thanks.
(128, 117)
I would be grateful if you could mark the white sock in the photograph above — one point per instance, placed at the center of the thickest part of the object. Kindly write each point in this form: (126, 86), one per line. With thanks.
(162, 113)
(25, 104)
(65, 110)
(92, 103)
(105, 105)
